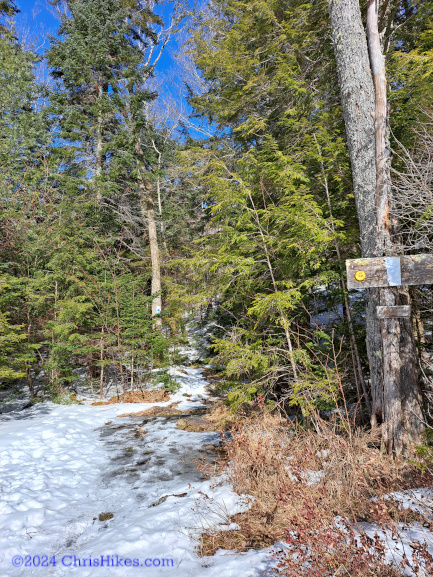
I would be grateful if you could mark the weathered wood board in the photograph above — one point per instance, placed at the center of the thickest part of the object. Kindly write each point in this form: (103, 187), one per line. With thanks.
(389, 271)
(397, 312)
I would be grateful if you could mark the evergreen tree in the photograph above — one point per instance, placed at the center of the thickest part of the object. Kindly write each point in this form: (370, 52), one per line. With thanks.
(7, 8)
(99, 102)
(23, 126)
(70, 183)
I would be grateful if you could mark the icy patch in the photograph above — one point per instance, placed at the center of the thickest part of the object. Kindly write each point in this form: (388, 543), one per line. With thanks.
(397, 547)
(13, 397)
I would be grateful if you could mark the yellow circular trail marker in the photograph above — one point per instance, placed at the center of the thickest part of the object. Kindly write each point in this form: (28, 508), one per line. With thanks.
(360, 275)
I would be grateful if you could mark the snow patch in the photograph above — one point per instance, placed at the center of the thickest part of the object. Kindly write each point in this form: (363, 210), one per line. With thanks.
(63, 466)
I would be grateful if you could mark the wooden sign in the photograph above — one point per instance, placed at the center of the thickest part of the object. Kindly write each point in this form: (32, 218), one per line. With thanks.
(389, 271)
(398, 312)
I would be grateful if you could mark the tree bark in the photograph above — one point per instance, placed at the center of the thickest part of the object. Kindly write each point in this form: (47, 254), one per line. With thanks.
(384, 245)
(101, 376)
(158, 196)
(357, 98)
(412, 403)
(390, 328)
(99, 144)
(147, 203)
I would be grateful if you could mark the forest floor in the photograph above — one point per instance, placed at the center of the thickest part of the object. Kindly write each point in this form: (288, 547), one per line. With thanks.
(79, 480)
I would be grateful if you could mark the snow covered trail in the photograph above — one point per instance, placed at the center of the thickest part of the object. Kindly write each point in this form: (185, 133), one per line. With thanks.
(63, 466)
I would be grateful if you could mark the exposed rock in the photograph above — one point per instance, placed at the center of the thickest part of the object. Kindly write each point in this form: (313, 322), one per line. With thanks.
(165, 497)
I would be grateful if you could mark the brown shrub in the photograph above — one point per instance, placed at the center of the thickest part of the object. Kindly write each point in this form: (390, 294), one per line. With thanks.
(221, 417)
(166, 411)
(155, 396)
(301, 481)
(333, 550)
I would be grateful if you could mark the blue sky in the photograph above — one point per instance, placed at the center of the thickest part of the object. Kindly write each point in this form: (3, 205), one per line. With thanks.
(35, 14)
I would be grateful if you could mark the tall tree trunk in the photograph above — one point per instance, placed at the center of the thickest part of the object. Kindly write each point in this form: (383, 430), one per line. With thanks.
(147, 203)
(357, 97)
(390, 328)
(101, 357)
(158, 196)
(148, 210)
(99, 146)
(395, 391)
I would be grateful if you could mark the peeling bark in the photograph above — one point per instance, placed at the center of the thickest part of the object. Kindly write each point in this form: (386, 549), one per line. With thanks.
(402, 403)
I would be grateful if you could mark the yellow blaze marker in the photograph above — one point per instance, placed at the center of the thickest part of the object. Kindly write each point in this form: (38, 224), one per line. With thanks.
(360, 275)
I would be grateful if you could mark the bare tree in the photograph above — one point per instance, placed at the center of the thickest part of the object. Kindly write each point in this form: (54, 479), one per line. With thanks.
(412, 190)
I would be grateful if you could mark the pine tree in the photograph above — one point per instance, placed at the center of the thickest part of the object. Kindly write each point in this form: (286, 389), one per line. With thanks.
(7, 8)
(92, 59)
(103, 138)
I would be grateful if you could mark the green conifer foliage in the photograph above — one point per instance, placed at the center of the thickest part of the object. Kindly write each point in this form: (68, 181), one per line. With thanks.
(410, 69)
(69, 177)
(7, 8)
(24, 130)
(277, 181)
(254, 223)
(24, 140)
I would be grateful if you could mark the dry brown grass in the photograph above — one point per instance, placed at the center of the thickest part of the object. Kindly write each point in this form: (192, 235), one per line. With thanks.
(301, 480)
(194, 425)
(155, 396)
(221, 418)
